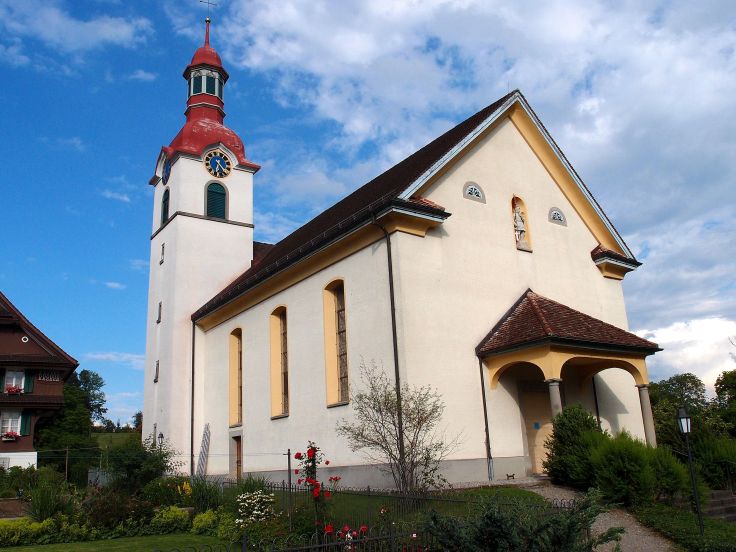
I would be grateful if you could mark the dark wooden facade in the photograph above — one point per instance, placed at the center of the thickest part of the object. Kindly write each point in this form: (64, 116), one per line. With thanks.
(33, 370)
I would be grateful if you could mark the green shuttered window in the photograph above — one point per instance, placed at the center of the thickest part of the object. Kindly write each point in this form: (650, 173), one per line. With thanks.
(216, 201)
(28, 382)
(25, 423)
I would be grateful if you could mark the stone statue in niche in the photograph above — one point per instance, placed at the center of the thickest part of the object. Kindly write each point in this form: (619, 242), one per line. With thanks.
(520, 230)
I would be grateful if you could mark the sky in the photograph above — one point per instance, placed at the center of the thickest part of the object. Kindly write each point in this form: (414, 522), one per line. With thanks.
(641, 96)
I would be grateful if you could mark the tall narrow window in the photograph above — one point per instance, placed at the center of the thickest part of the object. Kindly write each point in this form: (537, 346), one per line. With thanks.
(163, 251)
(211, 85)
(160, 308)
(165, 207)
(279, 363)
(155, 376)
(336, 345)
(236, 377)
(216, 201)
(10, 422)
(14, 381)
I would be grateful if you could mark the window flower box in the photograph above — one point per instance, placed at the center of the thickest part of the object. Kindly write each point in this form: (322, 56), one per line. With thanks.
(13, 390)
(9, 436)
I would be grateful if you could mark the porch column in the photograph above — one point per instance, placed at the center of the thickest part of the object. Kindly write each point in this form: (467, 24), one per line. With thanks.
(555, 399)
(646, 414)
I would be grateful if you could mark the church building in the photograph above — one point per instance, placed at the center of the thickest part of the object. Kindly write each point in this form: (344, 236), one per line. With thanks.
(480, 265)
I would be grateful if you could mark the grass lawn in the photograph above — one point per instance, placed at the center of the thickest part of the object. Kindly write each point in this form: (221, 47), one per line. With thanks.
(128, 544)
(111, 439)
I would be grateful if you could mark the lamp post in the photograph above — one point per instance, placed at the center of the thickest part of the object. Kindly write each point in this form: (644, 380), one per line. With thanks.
(160, 439)
(684, 423)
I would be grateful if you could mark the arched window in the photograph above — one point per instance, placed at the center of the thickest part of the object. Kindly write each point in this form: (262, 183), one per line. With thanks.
(216, 201)
(336, 345)
(521, 225)
(236, 377)
(165, 207)
(279, 364)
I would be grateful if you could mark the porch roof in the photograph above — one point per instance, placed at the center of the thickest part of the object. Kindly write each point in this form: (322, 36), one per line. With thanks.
(534, 319)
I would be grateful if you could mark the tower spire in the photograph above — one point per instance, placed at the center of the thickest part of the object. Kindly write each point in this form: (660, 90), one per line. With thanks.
(207, 31)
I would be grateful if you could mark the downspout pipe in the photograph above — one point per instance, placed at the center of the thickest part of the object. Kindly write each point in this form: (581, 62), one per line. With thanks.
(489, 456)
(397, 375)
(191, 418)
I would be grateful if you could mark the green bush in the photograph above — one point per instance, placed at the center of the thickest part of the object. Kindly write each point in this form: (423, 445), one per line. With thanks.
(500, 528)
(671, 479)
(622, 470)
(575, 433)
(227, 528)
(716, 461)
(205, 523)
(168, 491)
(106, 509)
(681, 526)
(206, 494)
(170, 519)
(133, 464)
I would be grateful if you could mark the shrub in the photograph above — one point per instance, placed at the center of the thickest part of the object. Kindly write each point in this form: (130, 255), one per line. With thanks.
(681, 526)
(248, 484)
(255, 507)
(501, 528)
(133, 464)
(716, 461)
(205, 523)
(575, 433)
(107, 508)
(169, 491)
(670, 476)
(206, 494)
(623, 472)
(170, 519)
(227, 528)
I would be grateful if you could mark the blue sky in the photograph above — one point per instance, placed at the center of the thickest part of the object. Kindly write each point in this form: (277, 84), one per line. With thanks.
(641, 96)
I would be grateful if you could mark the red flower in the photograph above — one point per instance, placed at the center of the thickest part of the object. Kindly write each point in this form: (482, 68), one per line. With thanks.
(327, 494)
(310, 453)
(346, 529)
(296, 472)
(363, 528)
(354, 533)
(327, 462)
(299, 481)
(329, 529)
(315, 492)
(340, 534)
(298, 456)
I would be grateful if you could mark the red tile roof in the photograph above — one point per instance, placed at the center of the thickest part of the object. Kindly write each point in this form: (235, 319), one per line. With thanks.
(534, 319)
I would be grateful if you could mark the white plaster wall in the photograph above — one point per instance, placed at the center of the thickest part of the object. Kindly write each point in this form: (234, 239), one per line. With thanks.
(201, 258)
(21, 459)
(459, 280)
(368, 337)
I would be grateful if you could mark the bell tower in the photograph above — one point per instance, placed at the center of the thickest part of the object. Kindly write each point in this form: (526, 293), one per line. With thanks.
(201, 239)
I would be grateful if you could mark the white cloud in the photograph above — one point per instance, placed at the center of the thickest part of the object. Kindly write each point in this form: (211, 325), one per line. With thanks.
(143, 76)
(12, 54)
(48, 22)
(133, 360)
(117, 196)
(139, 265)
(114, 285)
(699, 346)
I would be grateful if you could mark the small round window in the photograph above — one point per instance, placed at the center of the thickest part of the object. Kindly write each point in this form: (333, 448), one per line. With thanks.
(471, 190)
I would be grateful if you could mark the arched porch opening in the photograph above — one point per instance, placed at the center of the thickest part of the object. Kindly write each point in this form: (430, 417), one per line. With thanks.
(525, 381)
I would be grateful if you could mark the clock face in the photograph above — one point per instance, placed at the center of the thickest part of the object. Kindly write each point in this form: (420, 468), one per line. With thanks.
(166, 172)
(217, 163)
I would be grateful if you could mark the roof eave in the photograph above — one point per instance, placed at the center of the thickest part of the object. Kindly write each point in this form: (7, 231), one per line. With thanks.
(571, 343)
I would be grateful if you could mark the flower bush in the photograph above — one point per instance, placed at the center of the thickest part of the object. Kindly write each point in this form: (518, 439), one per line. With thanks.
(254, 507)
(13, 389)
(10, 436)
(321, 493)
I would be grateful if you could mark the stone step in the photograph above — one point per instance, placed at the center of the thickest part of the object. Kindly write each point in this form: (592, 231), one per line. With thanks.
(722, 502)
(722, 493)
(720, 510)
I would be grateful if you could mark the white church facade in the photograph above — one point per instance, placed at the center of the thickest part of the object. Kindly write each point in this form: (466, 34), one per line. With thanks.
(480, 265)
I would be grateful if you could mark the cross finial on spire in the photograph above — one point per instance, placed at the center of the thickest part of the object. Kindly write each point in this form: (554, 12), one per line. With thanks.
(207, 21)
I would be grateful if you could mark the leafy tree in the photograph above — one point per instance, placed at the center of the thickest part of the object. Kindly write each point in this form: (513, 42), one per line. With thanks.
(134, 463)
(91, 384)
(726, 387)
(375, 430)
(138, 421)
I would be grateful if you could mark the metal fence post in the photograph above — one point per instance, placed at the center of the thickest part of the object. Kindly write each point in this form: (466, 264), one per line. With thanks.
(244, 544)
(288, 496)
(392, 534)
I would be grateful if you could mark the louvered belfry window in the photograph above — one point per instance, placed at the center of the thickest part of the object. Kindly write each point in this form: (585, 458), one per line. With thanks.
(165, 207)
(216, 201)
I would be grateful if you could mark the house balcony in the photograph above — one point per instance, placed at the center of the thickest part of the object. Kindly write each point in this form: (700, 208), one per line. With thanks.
(30, 400)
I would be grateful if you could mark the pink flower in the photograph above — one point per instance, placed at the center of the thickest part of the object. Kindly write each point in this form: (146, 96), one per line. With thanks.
(346, 529)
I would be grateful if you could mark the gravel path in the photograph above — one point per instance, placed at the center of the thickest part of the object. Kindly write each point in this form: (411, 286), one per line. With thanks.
(636, 538)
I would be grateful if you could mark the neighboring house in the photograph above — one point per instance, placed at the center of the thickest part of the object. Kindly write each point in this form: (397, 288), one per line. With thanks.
(33, 370)
(480, 265)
